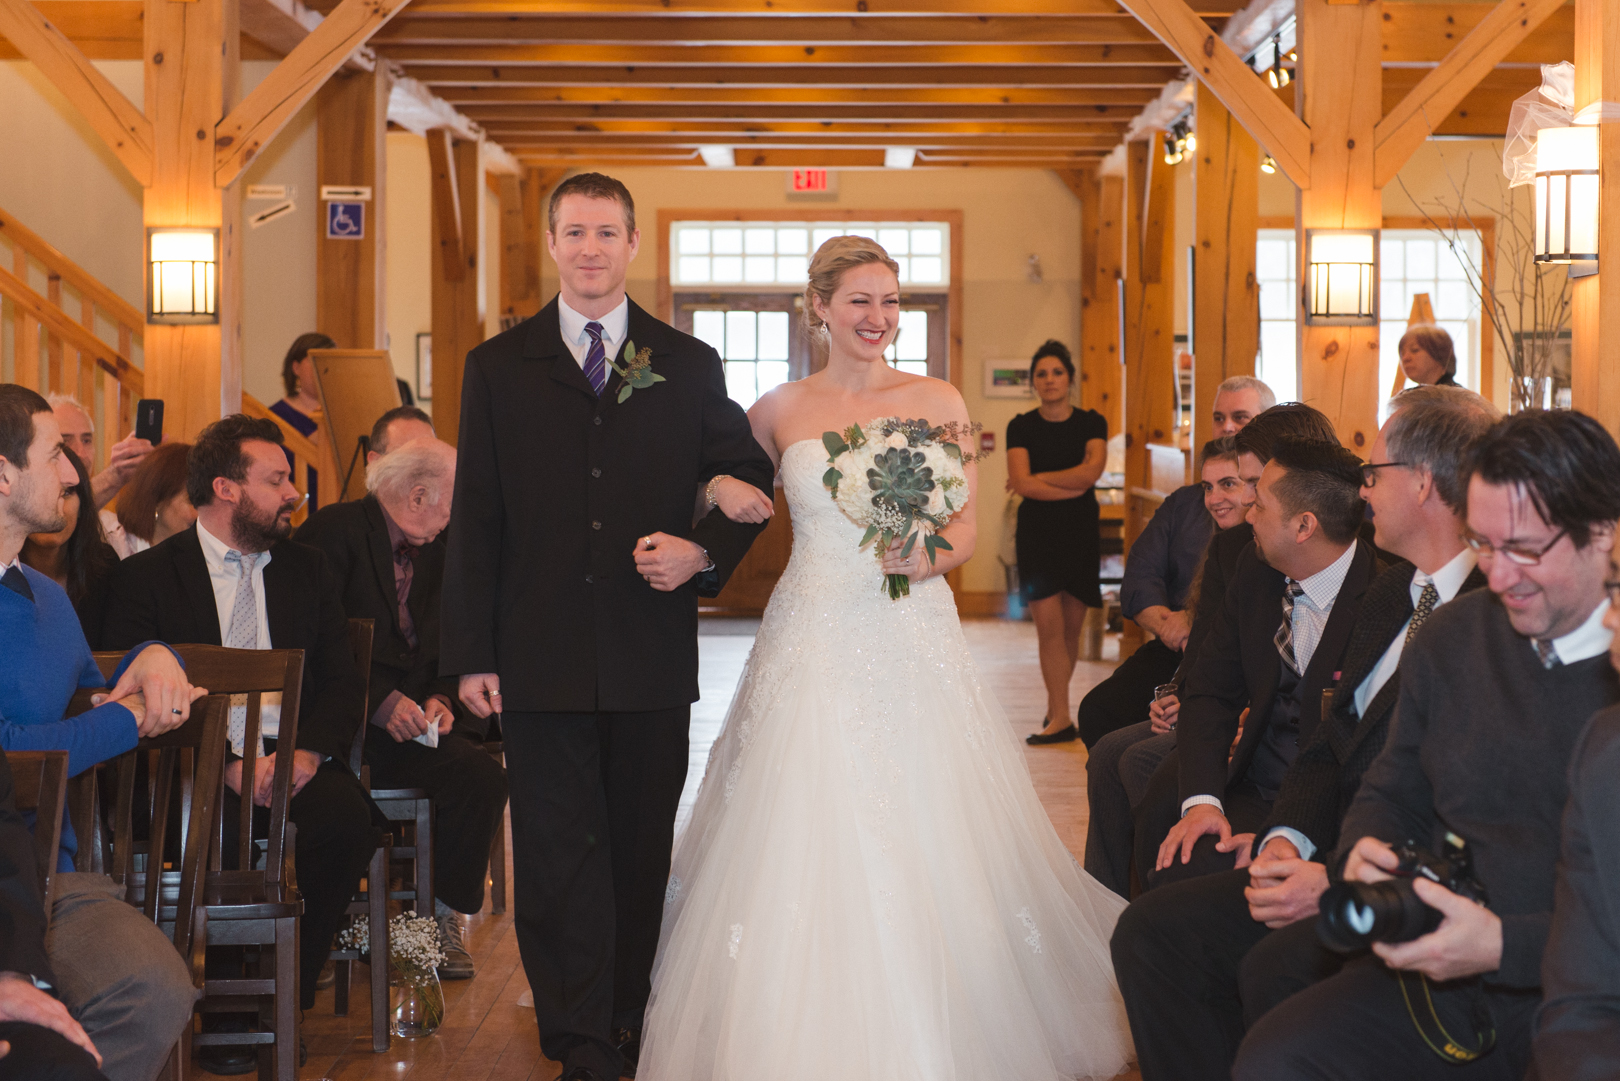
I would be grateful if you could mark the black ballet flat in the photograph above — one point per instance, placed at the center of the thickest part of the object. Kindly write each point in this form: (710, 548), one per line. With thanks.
(1062, 735)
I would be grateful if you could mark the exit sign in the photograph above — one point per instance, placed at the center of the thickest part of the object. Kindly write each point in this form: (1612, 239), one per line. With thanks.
(812, 181)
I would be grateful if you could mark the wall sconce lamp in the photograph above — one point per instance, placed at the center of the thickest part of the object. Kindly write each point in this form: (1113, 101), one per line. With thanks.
(1567, 194)
(183, 282)
(1341, 277)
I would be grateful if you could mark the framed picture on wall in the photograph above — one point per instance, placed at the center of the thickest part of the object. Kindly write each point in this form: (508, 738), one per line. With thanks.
(424, 367)
(1007, 379)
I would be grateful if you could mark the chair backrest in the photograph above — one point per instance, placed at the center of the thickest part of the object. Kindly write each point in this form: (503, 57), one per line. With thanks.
(39, 781)
(362, 633)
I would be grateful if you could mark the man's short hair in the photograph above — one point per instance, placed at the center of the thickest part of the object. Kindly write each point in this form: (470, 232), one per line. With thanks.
(18, 405)
(1436, 428)
(218, 453)
(1268, 397)
(1566, 461)
(379, 431)
(592, 186)
(68, 399)
(1323, 478)
(1291, 420)
(430, 463)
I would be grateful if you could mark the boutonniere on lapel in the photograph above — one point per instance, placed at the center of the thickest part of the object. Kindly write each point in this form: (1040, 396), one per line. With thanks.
(636, 371)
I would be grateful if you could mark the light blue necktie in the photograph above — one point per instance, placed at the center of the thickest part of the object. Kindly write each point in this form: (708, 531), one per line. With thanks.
(243, 633)
(596, 357)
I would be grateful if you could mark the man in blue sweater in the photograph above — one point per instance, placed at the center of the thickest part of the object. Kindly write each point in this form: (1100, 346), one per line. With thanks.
(117, 974)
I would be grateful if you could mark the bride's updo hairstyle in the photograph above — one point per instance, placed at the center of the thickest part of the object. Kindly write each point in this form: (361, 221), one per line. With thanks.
(828, 266)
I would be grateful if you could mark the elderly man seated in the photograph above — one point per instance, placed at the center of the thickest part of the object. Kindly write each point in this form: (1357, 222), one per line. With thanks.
(388, 551)
(118, 975)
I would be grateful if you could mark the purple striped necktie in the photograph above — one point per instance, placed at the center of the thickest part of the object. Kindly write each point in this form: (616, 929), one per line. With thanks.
(596, 357)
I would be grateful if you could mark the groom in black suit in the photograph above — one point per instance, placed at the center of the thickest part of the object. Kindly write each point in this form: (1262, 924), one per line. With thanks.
(570, 606)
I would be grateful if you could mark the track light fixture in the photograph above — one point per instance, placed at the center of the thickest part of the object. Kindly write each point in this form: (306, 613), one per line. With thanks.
(1268, 165)
(1279, 76)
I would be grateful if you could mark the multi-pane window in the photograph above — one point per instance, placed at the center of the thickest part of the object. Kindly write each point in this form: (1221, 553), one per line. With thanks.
(778, 253)
(1279, 301)
(754, 346)
(909, 350)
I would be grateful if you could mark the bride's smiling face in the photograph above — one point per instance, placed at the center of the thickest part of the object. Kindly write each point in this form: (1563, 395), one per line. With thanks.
(864, 313)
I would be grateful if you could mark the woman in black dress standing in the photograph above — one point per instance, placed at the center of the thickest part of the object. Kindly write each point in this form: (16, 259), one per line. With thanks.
(1054, 456)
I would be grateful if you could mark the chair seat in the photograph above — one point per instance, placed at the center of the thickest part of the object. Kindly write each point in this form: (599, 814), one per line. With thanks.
(380, 794)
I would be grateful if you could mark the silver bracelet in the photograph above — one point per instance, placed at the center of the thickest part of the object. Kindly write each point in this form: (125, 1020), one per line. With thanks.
(708, 490)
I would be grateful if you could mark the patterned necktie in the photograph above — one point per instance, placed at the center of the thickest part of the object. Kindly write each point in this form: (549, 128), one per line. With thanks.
(1285, 631)
(243, 633)
(404, 573)
(1425, 608)
(1547, 652)
(596, 357)
(17, 582)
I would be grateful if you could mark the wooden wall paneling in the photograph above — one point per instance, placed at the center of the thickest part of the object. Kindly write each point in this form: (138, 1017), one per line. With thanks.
(1595, 378)
(1099, 298)
(523, 227)
(1148, 333)
(1339, 87)
(351, 275)
(458, 325)
(25, 357)
(1226, 296)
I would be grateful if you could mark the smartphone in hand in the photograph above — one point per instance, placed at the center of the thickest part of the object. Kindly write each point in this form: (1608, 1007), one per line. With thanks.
(149, 420)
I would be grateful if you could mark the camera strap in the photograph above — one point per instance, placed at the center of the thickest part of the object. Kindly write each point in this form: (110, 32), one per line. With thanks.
(1434, 1032)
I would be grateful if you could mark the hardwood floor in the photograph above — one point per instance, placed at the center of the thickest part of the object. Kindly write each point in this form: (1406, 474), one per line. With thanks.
(487, 1036)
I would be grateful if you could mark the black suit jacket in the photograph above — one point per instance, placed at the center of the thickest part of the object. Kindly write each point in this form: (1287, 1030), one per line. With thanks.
(164, 594)
(22, 916)
(553, 487)
(354, 538)
(1220, 563)
(1318, 788)
(1238, 666)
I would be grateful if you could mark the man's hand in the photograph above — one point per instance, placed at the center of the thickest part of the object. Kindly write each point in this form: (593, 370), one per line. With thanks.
(305, 763)
(123, 458)
(1201, 819)
(162, 682)
(1242, 844)
(1282, 887)
(667, 562)
(1173, 630)
(480, 693)
(438, 712)
(20, 1000)
(741, 501)
(1163, 714)
(407, 721)
(1371, 860)
(1467, 942)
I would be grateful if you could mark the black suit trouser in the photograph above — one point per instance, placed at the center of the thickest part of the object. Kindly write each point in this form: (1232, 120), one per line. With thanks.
(1111, 770)
(1195, 969)
(469, 794)
(1123, 698)
(336, 839)
(1160, 809)
(594, 797)
(41, 1054)
(1355, 1026)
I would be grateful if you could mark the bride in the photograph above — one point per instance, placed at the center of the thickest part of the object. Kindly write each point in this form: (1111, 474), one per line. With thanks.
(868, 889)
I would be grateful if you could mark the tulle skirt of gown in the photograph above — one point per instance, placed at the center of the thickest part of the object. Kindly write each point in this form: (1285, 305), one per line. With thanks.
(869, 889)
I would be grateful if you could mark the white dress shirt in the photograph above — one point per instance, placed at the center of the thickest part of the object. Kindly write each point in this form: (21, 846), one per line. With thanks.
(123, 542)
(1588, 640)
(224, 577)
(615, 329)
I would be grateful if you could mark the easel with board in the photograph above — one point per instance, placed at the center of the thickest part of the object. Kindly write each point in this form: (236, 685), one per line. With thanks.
(356, 386)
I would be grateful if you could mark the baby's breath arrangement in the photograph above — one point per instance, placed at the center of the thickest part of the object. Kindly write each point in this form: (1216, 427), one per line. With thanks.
(413, 943)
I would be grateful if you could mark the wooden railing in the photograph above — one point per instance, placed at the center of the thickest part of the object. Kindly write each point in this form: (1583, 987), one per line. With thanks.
(57, 349)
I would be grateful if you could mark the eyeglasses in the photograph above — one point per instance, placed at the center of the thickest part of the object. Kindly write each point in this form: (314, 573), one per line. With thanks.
(1612, 588)
(1369, 472)
(1524, 557)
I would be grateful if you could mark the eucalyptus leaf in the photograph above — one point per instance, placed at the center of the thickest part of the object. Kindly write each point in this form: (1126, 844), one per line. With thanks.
(831, 478)
(641, 379)
(834, 444)
(941, 542)
(953, 450)
(624, 392)
(656, 378)
(866, 538)
(629, 351)
(911, 542)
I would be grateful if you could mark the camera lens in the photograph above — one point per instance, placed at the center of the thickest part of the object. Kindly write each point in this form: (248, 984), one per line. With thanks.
(1357, 914)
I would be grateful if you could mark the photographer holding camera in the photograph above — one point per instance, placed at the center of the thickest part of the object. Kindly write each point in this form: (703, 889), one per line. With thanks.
(1494, 691)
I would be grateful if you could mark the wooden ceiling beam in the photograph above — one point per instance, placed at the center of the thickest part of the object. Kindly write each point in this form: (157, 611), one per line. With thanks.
(969, 75)
(738, 30)
(1013, 144)
(653, 96)
(720, 131)
(1425, 33)
(808, 158)
(756, 113)
(809, 55)
(784, 8)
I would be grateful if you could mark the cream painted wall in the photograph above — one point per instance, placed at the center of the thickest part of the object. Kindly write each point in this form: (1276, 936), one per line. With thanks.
(410, 246)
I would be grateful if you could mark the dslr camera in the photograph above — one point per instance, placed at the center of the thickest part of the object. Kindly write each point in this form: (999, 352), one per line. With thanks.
(1356, 914)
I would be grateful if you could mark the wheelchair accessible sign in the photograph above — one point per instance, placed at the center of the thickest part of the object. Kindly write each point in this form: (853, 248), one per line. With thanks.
(345, 212)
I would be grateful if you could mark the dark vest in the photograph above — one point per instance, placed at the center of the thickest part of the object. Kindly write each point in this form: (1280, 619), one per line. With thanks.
(1279, 743)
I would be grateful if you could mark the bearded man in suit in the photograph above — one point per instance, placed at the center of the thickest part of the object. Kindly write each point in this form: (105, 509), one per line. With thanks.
(571, 588)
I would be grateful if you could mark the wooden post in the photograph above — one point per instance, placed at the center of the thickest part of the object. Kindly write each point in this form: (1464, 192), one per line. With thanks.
(186, 77)
(1595, 322)
(523, 223)
(1340, 81)
(1101, 220)
(458, 225)
(350, 274)
(1226, 297)
(1148, 333)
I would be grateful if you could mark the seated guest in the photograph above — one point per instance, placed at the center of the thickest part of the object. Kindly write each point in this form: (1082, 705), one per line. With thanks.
(1494, 691)
(1158, 573)
(75, 557)
(1179, 950)
(118, 975)
(1276, 647)
(1123, 762)
(1428, 357)
(79, 433)
(1577, 1028)
(303, 399)
(235, 579)
(387, 551)
(153, 506)
(400, 425)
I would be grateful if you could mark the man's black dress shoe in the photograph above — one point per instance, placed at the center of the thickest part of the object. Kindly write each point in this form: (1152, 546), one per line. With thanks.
(628, 1041)
(1062, 735)
(580, 1073)
(228, 1060)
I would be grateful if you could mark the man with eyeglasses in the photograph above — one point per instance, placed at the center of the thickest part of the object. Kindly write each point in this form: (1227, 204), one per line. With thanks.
(1494, 691)
(1197, 961)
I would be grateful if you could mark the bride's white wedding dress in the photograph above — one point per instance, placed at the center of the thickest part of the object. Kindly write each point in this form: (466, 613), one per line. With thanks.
(868, 889)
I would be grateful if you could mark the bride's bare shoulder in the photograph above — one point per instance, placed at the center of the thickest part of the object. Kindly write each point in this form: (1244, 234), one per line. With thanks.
(936, 399)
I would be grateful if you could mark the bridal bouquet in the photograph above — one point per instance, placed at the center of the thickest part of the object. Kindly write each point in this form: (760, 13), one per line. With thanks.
(899, 478)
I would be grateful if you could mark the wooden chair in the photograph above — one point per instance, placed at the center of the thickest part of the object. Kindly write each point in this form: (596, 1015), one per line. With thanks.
(40, 785)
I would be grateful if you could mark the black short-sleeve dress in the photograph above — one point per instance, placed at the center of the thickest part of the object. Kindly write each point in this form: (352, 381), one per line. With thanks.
(1058, 546)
